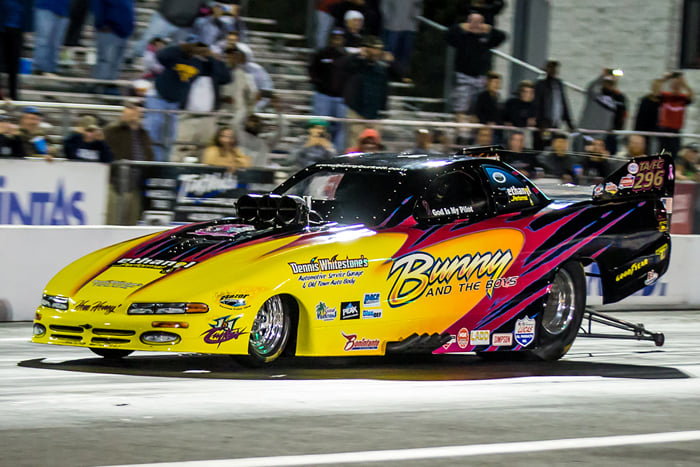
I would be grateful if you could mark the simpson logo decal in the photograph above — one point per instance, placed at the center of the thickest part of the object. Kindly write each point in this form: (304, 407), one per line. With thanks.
(350, 310)
(329, 264)
(325, 313)
(498, 177)
(627, 181)
(463, 338)
(371, 300)
(633, 168)
(370, 314)
(224, 329)
(416, 272)
(524, 332)
(234, 300)
(632, 269)
(165, 266)
(480, 337)
(501, 340)
(353, 343)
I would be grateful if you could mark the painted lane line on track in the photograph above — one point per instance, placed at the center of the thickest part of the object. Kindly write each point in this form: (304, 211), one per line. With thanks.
(439, 452)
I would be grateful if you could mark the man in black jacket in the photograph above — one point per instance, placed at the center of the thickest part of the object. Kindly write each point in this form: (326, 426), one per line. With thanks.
(10, 142)
(551, 104)
(473, 42)
(328, 98)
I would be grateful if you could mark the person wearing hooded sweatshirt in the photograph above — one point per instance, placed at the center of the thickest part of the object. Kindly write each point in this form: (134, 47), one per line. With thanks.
(172, 20)
(50, 24)
(114, 23)
(15, 20)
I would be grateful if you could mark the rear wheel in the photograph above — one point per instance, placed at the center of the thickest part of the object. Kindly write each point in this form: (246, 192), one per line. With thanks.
(269, 334)
(112, 354)
(563, 311)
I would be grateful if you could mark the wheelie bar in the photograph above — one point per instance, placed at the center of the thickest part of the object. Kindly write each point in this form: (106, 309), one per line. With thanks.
(639, 332)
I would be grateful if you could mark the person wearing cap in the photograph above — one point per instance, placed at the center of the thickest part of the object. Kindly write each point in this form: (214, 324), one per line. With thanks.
(31, 134)
(87, 143)
(318, 146)
(10, 142)
(368, 141)
(366, 87)
(354, 20)
(114, 23)
(687, 166)
(328, 92)
(127, 138)
(50, 24)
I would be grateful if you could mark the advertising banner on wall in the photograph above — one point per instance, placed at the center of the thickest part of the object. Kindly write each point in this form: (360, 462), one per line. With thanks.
(37, 192)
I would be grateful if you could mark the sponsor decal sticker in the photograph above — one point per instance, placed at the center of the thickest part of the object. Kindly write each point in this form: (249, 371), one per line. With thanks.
(353, 343)
(371, 300)
(499, 340)
(652, 276)
(632, 269)
(453, 340)
(598, 190)
(325, 313)
(417, 272)
(633, 168)
(627, 181)
(452, 211)
(611, 188)
(498, 177)
(165, 266)
(329, 264)
(99, 306)
(370, 314)
(524, 332)
(222, 330)
(651, 175)
(480, 337)
(350, 310)
(463, 338)
(234, 300)
(662, 251)
(116, 284)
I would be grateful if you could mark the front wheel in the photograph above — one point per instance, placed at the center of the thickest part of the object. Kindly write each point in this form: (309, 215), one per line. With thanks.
(269, 334)
(563, 312)
(111, 354)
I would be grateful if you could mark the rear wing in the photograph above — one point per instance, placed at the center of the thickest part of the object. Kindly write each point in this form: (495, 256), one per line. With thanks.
(641, 177)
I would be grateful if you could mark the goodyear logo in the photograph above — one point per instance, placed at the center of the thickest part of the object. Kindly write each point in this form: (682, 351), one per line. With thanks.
(635, 267)
(417, 271)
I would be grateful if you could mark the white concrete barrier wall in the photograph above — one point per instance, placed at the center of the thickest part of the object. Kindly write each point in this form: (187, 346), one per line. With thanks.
(31, 255)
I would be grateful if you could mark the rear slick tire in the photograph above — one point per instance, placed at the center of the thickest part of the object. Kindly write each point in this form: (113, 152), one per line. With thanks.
(269, 334)
(563, 311)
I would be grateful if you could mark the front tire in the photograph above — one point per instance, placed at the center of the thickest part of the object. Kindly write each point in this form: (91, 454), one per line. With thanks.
(563, 312)
(269, 333)
(111, 354)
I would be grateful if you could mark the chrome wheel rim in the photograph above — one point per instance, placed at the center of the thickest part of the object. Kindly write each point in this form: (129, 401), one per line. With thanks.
(560, 308)
(268, 331)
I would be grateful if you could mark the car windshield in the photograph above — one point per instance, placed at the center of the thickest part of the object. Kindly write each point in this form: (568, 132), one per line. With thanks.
(351, 196)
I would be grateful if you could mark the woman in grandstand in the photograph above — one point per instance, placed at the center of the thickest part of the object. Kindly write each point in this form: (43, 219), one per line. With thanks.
(224, 152)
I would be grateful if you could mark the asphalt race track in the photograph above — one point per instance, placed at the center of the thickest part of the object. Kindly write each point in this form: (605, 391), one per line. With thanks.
(607, 403)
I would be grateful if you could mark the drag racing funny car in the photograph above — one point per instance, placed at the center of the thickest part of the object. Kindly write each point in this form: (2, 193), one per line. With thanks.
(372, 254)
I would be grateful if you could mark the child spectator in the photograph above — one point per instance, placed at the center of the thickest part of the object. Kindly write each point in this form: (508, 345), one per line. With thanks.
(223, 152)
(87, 143)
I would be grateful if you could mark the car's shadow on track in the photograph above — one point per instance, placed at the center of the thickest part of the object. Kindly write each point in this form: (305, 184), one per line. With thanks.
(404, 367)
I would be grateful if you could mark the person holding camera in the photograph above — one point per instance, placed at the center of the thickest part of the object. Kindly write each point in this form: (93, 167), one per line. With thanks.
(673, 103)
(318, 146)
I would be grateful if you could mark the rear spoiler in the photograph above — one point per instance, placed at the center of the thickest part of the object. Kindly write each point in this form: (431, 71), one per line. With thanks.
(641, 177)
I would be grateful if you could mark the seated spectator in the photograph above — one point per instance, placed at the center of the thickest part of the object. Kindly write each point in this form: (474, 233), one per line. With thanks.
(318, 146)
(223, 152)
(484, 136)
(423, 143)
(87, 143)
(257, 143)
(441, 142)
(520, 109)
(636, 147)
(596, 164)
(557, 163)
(353, 30)
(114, 23)
(31, 134)
(10, 142)
(328, 94)
(687, 167)
(368, 141)
(487, 107)
(151, 66)
(518, 157)
(127, 138)
(400, 27)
